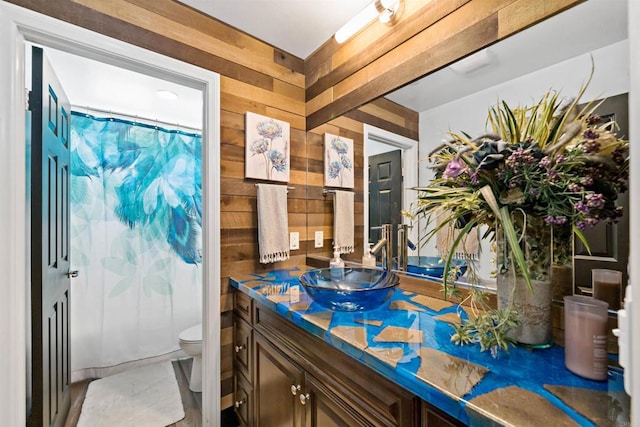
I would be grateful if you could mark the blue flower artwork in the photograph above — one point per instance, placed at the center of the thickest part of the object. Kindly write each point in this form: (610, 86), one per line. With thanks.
(267, 148)
(338, 161)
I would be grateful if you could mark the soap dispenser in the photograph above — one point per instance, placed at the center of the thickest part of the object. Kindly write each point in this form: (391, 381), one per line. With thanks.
(368, 259)
(336, 266)
(336, 261)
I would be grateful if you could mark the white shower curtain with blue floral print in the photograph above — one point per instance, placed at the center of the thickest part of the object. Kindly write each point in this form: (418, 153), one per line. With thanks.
(136, 199)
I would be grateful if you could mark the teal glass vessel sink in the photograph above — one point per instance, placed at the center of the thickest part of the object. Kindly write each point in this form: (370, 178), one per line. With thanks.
(433, 266)
(349, 289)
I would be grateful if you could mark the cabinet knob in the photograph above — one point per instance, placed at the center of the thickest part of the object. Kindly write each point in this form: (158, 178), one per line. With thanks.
(238, 348)
(239, 403)
(304, 398)
(295, 389)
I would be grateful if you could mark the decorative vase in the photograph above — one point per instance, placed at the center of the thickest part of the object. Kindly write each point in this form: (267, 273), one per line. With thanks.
(533, 305)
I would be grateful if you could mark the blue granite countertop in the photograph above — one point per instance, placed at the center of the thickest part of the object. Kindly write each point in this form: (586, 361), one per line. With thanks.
(407, 340)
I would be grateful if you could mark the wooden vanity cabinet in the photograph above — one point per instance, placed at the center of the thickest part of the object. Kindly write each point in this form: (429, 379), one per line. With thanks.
(298, 380)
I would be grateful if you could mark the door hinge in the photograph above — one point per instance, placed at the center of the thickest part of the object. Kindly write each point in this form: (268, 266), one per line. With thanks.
(27, 99)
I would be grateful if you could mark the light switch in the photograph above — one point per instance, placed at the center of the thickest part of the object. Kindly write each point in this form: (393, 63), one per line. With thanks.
(294, 240)
(319, 240)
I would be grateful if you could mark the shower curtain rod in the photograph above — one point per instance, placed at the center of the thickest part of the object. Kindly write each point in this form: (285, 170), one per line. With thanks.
(88, 109)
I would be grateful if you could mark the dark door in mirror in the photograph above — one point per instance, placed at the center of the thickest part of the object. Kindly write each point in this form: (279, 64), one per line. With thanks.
(608, 243)
(385, 194)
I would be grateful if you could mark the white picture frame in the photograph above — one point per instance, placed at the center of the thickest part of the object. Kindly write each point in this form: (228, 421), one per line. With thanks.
(338, 161)
(267, 153)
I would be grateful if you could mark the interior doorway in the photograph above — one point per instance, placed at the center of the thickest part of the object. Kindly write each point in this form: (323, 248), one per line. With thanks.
(378, 141)
(21, 26)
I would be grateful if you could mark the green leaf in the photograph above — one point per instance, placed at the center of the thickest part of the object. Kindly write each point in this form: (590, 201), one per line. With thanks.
(512, 239)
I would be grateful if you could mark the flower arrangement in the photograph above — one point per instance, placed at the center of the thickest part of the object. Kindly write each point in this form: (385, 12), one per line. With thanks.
(554, 162)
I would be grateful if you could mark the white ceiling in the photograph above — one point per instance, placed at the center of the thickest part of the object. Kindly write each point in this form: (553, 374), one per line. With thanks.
(295, 26)
(581, 29)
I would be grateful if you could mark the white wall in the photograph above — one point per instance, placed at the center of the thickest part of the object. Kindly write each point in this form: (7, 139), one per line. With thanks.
(468, 114)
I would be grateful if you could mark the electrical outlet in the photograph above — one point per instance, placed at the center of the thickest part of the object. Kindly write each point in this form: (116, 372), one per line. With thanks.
(294, 240)
(319, 240)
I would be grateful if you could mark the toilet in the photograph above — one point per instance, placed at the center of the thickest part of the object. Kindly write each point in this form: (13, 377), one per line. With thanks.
(190, 341)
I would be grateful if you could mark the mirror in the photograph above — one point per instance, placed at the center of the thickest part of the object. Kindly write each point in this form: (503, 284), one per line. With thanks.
(554, 54)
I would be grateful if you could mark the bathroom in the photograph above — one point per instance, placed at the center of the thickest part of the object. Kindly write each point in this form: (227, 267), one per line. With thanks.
(239, 253)
(135, 235)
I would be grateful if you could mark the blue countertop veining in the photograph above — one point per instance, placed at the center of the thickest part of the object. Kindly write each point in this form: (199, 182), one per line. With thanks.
(530, 370)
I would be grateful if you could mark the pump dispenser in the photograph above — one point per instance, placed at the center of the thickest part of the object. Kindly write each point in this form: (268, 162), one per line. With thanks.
(368, 259)
(336, 261)
(336, 266)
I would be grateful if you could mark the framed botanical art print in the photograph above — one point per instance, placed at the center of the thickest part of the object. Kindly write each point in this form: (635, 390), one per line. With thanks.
(338, 161)
(266, 148)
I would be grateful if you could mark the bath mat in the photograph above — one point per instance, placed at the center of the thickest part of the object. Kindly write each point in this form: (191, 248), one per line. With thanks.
(142, 397)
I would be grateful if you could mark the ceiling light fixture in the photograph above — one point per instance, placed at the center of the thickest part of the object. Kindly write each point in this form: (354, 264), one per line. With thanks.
(166, 94)
(385, 10)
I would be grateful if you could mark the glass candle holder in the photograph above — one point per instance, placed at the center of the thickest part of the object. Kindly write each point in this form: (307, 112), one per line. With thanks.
(585, 336)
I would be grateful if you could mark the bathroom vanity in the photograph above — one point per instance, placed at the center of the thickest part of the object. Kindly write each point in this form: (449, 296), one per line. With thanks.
(298, 364)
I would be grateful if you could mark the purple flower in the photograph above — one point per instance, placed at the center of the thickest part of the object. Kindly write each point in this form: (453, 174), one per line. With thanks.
(587, 181)
(454, 168)
(582, 207)
(534, 192)
(595, 200)
(589, 134)
(545, 162)
(574, 188)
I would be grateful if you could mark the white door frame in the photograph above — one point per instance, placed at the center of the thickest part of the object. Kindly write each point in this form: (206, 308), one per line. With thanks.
(409, 149)
(634, 204)
(17, 26)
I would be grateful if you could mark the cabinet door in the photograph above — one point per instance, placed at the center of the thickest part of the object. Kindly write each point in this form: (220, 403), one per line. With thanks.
(279, 383)
(325, 409)
(243, 348)
(243, 394)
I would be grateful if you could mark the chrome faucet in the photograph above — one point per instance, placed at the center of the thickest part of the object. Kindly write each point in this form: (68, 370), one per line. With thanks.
(385, 243)
(403, 244)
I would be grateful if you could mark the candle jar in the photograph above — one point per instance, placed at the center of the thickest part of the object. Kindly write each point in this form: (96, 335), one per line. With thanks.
(585, 336)
(606, 285)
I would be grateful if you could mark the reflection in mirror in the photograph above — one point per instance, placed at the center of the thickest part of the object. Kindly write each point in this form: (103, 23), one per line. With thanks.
(557, 54)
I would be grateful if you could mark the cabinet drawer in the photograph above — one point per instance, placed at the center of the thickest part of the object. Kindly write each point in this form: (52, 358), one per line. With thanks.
(243, 400)
(243, 306)
(243, 348)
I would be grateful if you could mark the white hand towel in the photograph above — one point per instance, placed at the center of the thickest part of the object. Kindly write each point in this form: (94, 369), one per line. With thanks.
(273, 223)
(343, 222)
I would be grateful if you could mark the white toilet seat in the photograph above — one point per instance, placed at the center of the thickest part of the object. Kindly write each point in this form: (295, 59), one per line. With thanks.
(191, 335)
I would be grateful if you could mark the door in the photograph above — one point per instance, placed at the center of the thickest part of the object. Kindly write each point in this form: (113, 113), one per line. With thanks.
(326, 409)
(279, 384)
(50, 111)
(609, 243)
(385, 194)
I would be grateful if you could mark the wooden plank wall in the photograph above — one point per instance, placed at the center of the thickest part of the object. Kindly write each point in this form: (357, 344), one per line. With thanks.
(427, 36)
